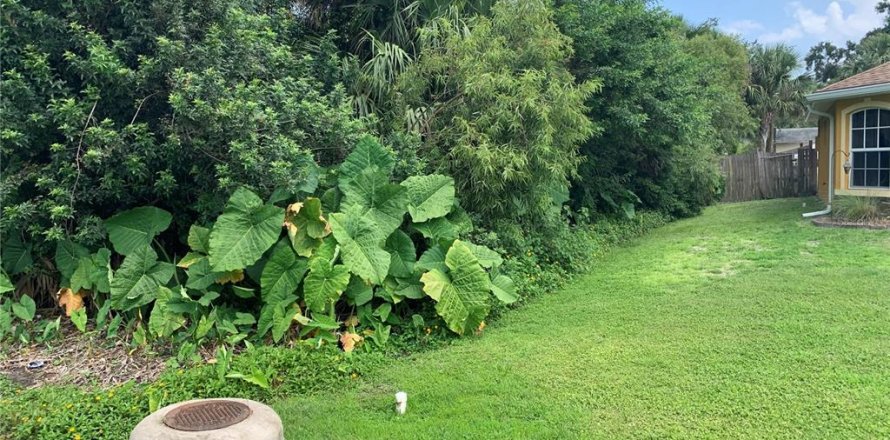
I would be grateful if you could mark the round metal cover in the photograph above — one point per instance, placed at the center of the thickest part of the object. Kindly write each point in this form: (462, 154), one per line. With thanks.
(207, 415)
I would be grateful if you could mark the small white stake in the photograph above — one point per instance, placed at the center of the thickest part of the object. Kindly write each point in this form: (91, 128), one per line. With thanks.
(401, 402)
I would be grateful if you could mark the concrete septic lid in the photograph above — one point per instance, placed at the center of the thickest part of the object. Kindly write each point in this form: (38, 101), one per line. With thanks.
(221, 419)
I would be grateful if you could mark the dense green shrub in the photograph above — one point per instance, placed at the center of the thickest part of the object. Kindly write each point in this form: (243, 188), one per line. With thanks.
(657, 109)
(498, 109)
(111, 105)
(295, 272)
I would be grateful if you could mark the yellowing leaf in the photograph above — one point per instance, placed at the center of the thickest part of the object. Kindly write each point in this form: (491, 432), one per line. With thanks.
(351, 321)
(349, 340)
(70, 300)
(232, 276)
(481, 328)
(306, 226)
(189, 259)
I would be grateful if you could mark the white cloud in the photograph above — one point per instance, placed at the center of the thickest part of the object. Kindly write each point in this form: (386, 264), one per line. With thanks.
(841, 21)
(742, 27)
(787, 34)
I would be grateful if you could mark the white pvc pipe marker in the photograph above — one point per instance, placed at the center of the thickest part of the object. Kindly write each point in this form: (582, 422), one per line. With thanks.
(401, 402)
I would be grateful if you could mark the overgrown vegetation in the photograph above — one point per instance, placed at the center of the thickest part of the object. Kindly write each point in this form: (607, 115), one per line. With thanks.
(248, 275)
(152, 152)
(338, 176)
(660, 108)
(498, 109)
(272, 373)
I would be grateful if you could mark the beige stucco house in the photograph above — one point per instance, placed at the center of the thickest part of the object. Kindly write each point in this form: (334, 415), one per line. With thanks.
(789, 140)
(854, 135)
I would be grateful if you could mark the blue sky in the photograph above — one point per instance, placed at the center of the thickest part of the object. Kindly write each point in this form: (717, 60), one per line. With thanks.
(801, 23)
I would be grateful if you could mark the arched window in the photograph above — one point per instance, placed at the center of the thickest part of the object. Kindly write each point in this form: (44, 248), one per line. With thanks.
(871, 149)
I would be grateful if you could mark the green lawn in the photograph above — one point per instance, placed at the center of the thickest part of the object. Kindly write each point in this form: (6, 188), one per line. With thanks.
(746, 322)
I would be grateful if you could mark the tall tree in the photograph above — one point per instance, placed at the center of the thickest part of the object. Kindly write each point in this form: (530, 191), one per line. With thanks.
(498, 108)
(828, 63)
(364, 23)
(724, 73)
(825, 61)
(774, 93)
(655, 147)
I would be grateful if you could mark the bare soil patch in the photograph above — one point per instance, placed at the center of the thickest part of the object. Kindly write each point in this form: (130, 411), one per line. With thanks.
(79, 360)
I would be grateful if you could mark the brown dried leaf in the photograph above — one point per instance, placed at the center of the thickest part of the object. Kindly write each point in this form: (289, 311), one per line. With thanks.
(349, 340)
(481, 328)
(232, 276)
(351, 321)
(292, 211)
(70, 300)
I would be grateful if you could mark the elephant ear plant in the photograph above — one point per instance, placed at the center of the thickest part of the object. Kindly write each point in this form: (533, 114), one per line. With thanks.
(347, 263)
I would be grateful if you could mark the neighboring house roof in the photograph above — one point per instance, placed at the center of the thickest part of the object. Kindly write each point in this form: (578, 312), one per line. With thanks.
(871, 77)
(796, 135)
(872, 81)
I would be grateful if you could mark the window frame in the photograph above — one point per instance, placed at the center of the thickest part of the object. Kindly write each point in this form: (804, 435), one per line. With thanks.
(864, 150)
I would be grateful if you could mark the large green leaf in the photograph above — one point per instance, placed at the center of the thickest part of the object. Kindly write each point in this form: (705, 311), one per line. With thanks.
(361, 241)
(504, 289)
(5, 283)
(16, 255)
(402, 253)
(164, 321)
(282, 273)
(93, 272)
(368, 153)
(306, 226)
(68, 255)
(136, 282)
(5, 322)
(437, 229)
(372, 194)
(461, 295)
(200, 275)
(199, 239)
(282, 320)
(358, 292)
(324, 284)
(25, 309)
(272, 313)
(487, 257)
(134, 229)
(244, 231)
(429, 197)
(412, 290)
(433, 258)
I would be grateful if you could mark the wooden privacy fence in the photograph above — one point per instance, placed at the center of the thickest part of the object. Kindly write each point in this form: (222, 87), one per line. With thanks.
(759, 176)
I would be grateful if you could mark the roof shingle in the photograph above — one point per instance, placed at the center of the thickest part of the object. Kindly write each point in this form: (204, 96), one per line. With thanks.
(871, 77)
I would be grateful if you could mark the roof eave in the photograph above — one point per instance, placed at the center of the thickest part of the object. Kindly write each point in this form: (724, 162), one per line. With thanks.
(853, 92)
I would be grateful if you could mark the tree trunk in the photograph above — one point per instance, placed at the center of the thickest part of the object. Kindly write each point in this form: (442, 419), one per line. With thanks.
(766, 126)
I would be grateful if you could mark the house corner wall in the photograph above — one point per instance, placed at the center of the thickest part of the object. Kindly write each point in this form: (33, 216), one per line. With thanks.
(842, 110)
(823, 153)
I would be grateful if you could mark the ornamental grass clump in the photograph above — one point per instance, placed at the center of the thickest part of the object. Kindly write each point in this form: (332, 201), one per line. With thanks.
(861, 208)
